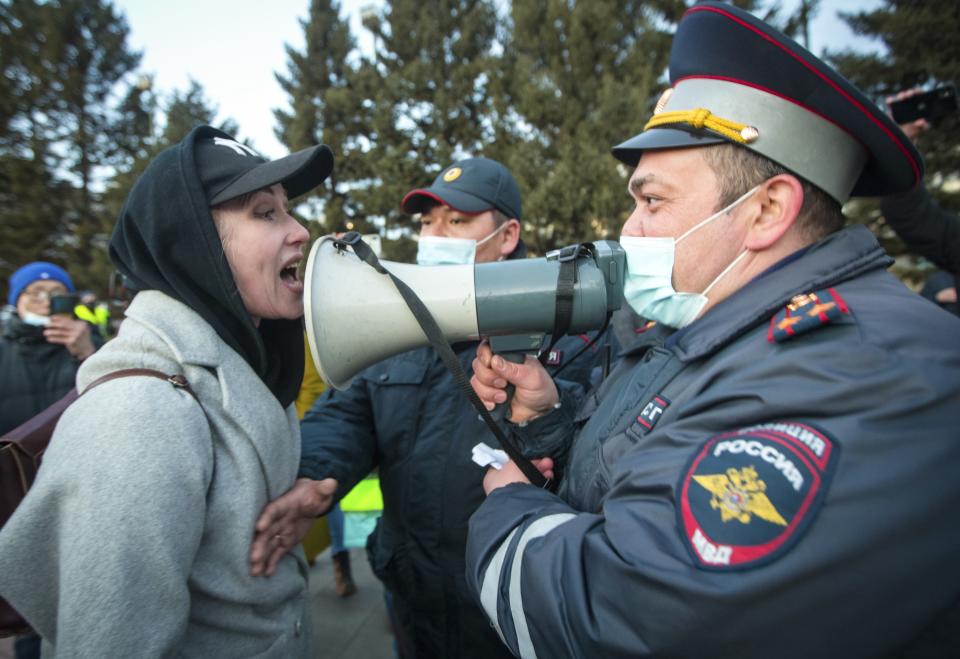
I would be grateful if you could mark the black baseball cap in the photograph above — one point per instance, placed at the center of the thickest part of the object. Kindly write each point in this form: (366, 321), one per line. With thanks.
(470, 186)
(229, 169)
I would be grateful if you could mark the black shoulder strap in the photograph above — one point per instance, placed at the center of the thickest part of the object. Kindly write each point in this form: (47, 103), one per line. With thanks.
(439, 342)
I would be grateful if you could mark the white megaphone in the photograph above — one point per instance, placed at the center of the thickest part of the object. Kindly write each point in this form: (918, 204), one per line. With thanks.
(356, 317)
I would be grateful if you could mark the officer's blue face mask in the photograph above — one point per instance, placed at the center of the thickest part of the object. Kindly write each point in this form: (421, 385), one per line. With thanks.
(648, 286)
(438, 250)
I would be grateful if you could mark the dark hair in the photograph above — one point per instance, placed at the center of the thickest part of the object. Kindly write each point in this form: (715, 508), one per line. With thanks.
(738, 169)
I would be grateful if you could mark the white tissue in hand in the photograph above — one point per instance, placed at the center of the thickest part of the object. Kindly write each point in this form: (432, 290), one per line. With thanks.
(487, 456)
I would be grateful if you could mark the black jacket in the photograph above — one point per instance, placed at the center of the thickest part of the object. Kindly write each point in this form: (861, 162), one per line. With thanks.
(34, 374)
(925, 227)
(407, 416)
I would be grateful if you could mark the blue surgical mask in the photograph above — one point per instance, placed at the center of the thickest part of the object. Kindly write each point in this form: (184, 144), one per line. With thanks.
(648, 286)
(438, 250)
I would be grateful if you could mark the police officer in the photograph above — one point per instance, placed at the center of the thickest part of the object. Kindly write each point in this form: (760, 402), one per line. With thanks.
(407, 416)
(771, 471)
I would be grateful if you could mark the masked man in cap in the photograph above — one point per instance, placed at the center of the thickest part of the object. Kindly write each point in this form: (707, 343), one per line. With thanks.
(772, 471)
(407, 416)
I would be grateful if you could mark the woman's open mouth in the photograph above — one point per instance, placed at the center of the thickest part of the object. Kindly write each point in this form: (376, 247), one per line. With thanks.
(290, 275)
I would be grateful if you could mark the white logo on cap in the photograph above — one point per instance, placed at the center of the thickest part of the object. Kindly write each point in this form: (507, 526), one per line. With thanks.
(241, 149)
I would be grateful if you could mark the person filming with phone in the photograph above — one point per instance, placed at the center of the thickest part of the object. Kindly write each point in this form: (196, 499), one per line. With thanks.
(927, 228)
(42, 344)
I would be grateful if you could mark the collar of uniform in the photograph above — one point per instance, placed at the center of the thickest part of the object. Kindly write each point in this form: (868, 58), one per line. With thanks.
(837, 258)
(656, 335)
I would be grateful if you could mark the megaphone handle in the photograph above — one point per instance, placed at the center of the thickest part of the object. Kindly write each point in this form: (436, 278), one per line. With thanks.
(501, 411)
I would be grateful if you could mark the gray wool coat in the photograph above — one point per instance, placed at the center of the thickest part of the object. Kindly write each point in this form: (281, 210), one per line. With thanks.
(134, 540)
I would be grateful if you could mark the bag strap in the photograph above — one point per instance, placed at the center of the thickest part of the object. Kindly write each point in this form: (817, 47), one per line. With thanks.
(177, 380)
(449, 358)
(33, 435)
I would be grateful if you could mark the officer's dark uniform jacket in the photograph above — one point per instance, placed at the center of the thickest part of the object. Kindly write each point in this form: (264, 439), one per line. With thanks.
(738, 491)
(407, 416)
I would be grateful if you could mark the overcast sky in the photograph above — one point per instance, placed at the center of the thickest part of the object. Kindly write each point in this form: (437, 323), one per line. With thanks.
(233, 50)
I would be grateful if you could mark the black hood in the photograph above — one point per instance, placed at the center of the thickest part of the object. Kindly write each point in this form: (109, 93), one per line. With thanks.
(165, 240)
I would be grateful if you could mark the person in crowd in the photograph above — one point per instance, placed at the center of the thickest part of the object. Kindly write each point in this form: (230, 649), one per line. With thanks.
(769, 472)
(133, 540)
(407, 416)
(927, 229)
(94, 312)
(39, 352)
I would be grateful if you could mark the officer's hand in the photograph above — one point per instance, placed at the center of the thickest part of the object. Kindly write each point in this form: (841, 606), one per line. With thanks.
(510, 473)
(912, 129)
(535, 394)
(286, 520)
(72, 333)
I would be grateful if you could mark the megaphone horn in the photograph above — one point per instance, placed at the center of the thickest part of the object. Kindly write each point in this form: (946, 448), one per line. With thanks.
(355, 317)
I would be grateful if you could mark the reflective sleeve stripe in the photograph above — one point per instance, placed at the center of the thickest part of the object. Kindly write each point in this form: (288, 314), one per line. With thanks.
(491, 584)
(539, 528)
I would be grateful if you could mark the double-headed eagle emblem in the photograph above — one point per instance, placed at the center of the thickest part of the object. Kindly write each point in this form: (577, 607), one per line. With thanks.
(739, 494)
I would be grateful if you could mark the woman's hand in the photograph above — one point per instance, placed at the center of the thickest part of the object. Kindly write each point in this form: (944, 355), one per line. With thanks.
(286, 520)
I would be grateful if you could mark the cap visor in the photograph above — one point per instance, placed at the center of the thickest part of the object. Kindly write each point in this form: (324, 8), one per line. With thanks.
(630, 151)
(299, 172)
(417, 200)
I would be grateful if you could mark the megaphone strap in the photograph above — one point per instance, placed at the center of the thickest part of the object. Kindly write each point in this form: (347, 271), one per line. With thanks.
(435, 335)
(566, 285)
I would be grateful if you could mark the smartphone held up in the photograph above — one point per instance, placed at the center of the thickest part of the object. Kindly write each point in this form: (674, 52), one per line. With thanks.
(929, 105)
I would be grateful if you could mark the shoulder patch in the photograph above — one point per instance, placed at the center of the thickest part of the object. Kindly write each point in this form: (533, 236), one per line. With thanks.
(747, 497)
(805, 313)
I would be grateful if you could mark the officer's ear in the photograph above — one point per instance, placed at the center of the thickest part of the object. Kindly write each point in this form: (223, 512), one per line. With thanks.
(776, 207)
(511, 236)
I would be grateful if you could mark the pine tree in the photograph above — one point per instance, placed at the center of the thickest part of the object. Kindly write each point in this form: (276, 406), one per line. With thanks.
(393, 118)
(575, 79)
(64, 65)
(325, 109)
(427, 100)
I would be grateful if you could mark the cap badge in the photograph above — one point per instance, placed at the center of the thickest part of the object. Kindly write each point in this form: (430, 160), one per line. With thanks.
(701, 118)
(749, 134)
(452, 174)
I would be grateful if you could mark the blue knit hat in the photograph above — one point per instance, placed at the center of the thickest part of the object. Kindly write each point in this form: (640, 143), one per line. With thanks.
(36, 271)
